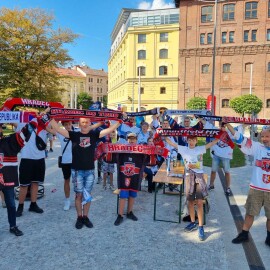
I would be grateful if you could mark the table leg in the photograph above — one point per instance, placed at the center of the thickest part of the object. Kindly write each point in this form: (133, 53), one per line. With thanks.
(180, 202)
(155, 201)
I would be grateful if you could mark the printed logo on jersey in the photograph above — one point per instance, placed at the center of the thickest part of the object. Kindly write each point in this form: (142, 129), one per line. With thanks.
(263, 164)
(1, 160)
(84, 142)
(127, 181)
(2, 179)
(266, 178)
(129, 169)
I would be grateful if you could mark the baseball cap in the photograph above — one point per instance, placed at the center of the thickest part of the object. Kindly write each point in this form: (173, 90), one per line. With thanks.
(132, 135)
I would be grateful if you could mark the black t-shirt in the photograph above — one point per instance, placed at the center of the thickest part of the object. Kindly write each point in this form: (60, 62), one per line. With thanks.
(130, 169)
(83, 149)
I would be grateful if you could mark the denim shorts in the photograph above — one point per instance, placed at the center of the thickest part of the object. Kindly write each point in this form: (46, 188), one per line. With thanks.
(225, 163)
(83, 179)
(125, 194)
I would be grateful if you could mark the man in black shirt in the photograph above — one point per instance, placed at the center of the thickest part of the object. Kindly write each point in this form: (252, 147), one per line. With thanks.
(82, 167)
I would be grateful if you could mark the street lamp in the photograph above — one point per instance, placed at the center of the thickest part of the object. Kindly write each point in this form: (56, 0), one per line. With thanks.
(172, 88)
(139, 90)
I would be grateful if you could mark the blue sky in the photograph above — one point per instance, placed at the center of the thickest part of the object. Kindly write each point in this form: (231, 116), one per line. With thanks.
(93, 20)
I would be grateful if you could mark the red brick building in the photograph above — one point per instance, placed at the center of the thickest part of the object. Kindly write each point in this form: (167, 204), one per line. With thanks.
(242, 62)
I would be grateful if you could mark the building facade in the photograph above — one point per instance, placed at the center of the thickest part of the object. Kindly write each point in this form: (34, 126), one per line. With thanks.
(96, 82)
(143, 64)
(74, 83)
(242, 58)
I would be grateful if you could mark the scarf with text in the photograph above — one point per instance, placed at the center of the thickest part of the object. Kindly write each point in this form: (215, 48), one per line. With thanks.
(209, 133)
(105, 148)
(75, 114)
(235, 119)
(187, 112)
(133, 114)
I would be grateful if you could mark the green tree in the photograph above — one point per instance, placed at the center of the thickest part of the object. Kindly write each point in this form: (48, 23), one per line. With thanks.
(29, 52)
(85, 100)
(105, 101)
(196, 103)
(246, 104)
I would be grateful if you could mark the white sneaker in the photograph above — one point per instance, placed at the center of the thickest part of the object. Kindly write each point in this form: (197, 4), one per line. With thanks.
(67, 205)
(111, 187)
(104, 187)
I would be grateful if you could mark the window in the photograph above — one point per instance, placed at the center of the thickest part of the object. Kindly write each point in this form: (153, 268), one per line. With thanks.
(251, 10)
(205, 68)
(163, 37)
(226, 68)
(142, 69)
(248, 67)
(206, 15)
(141, 38)
(162, 90)
(228, 12)
(268, 35)
(142, 90)
(163, 53)
(268, 103)
(268, 67)
(246, 34)
(163, 70)
(225, 103)
(254, 35)
(224, 37)
(98, 89)
(97, 80)
(141, 54)
(231, 36)
(202, 37)
(209, 38)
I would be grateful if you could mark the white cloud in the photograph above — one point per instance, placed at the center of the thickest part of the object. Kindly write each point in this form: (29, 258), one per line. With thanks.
(156, 4)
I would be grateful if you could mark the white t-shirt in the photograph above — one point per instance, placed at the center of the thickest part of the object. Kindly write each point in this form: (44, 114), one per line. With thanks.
(221, 149)
(67, 156)
(260, 178)
(193, 156)
(30, 150)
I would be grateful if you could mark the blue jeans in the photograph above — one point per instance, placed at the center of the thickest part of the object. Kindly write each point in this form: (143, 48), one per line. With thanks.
(149, 178)
(225, 162)
(11, 206)
(83, 179)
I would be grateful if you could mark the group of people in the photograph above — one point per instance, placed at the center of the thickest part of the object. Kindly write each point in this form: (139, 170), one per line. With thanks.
(78, 156)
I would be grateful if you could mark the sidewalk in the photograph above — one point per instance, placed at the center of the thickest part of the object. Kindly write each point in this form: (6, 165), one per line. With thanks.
(51, 240)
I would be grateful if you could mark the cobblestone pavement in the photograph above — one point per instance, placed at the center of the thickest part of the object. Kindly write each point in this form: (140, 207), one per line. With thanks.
(51, 241)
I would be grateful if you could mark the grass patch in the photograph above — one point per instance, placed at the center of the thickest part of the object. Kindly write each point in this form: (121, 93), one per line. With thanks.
(8, 130)
(237, 161)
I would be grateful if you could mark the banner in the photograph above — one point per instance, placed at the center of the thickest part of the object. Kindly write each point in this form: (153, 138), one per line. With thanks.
(11, 103)
(15, 117)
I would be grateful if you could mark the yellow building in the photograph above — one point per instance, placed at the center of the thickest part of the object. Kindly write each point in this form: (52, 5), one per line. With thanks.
(144, 55)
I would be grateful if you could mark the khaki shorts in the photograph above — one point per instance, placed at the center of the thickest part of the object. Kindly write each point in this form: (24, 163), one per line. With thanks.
(255, 200)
